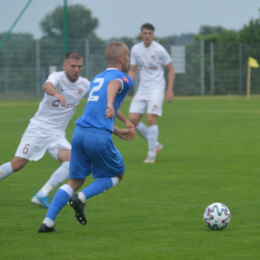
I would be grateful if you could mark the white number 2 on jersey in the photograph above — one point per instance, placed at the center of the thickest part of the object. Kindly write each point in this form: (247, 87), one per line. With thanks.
(100, 82)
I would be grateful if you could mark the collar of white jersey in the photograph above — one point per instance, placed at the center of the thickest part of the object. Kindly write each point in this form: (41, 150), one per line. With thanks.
(148, 46)
(112, 69)
(68, 81)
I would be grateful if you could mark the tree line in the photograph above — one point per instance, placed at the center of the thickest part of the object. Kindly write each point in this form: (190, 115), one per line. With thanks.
(19, 50)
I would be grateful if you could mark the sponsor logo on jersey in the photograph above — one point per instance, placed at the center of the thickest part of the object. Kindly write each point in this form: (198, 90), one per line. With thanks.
(153, 57)
(70, 105)
(56, 103)
(80, 91)
(148, 68)
(125, 79)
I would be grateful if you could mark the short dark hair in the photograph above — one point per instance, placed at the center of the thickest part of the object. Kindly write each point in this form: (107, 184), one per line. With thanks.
(148, 26)
(113, 51)
(72, 55)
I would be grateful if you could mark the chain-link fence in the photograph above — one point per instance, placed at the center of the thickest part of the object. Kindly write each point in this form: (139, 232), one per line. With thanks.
(211, 68)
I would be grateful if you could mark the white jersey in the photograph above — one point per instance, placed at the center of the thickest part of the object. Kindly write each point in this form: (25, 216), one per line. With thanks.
(52, 117)
(151, 62)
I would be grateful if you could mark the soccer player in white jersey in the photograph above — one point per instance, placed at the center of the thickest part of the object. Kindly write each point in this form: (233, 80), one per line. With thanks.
(151, 58)
(46, 130)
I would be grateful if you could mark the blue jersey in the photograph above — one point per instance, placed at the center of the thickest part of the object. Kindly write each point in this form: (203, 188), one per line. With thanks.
(95, 111)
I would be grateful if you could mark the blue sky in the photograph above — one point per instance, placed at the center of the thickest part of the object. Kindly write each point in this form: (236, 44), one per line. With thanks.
(123, 18)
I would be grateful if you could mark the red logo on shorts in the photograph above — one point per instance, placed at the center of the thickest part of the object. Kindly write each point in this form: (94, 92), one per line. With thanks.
(125, 79)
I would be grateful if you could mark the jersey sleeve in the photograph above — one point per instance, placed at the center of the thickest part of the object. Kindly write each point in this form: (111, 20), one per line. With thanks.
(127, 83)
(165, 57)
(87, 88)
(133, 58)
(54, 78)
(87, 83)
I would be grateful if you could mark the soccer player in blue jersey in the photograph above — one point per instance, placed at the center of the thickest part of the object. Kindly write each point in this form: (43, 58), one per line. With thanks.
(93, 150)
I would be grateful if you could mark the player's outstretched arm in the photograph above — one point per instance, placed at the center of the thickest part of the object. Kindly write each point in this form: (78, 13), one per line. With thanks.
(171, 76)
(127, 123)
(132, 71)
(112, 89)
(50, 90)
(126, 134)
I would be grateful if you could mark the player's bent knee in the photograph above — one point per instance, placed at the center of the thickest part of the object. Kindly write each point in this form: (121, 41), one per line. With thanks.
(133, 121)
(135, 118)
(75, 184)
(18, 163)
(121, 176)
(151, 119)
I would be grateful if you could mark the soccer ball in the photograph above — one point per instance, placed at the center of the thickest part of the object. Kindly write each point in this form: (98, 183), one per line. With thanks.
(217, 216)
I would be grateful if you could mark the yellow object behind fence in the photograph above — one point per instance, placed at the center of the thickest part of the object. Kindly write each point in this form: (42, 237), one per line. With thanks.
(252, 63)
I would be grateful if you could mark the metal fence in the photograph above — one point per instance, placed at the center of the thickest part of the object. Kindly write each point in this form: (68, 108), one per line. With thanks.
(211, 68)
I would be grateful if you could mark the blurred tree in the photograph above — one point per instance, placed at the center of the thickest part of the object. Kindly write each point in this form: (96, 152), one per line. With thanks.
(24, 37)
(16, 41)
(251, 32)
(29, 58)
(2, 59)
(222, 36)
(180, 39)
(16, 60)
(207, 29)
(216, 34)
(80, 22)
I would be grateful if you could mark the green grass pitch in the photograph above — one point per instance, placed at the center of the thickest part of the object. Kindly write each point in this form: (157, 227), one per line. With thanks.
(211, 155)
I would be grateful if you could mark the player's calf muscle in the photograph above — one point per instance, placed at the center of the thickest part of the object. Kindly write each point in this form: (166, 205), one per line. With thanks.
(18, 163)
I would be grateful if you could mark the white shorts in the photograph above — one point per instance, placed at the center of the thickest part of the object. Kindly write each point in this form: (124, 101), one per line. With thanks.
(150, 103)
(34, 145)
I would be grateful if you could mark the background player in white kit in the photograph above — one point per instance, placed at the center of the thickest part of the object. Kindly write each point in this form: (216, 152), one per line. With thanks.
(151, 58)
(46, 131)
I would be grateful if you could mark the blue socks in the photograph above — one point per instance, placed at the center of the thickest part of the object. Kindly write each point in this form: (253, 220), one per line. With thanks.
(61, 198)
(65, 192)
(98, 186)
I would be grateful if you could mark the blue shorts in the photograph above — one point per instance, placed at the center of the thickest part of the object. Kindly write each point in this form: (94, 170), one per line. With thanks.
(93, 151)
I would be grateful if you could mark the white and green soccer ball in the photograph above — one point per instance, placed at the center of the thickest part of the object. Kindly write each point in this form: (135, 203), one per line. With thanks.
(217, 216)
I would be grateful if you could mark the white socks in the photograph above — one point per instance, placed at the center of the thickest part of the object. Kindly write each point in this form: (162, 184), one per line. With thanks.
(5, 170)
(153, 132)
(48, 222)
(115, 181)
(82, 197)
(67, 188)
(142, 130)
(58, 177)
